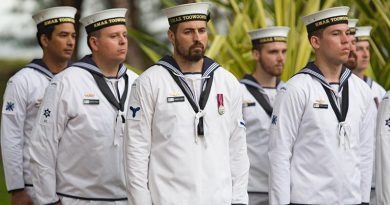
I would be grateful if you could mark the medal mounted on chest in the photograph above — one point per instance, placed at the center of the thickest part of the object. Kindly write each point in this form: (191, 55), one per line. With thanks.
(221, 107)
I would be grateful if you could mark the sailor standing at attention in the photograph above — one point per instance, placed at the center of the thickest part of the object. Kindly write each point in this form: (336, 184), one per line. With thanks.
(57, 37)
(363, 60)
(351, 62)
(77, 145)
(259, 92)
(322, 133)
(185, 138)
(382, 152)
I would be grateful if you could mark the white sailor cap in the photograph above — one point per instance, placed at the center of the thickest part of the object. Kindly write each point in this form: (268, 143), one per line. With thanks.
(352, 25)
(270, 34)
(54, 15)
(325, 18)
(188, 12)
(363, 33)
(105, 18)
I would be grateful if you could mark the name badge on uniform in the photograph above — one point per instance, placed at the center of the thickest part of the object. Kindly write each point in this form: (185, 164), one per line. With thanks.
(221, 107)
(320, 104)
(248, 104)
(91, 101)
(175, 99)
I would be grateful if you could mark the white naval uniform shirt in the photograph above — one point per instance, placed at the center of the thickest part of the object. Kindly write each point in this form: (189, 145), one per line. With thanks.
(257, 123)
(314, 159)
(77, 146)
(167, 161)
(383, 152)
(21, 102)
(377, 90)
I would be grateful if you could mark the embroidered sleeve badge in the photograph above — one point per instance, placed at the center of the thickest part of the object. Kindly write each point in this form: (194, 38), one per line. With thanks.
(241, 123)
(274, 119)
(10, 106)
(134, 113)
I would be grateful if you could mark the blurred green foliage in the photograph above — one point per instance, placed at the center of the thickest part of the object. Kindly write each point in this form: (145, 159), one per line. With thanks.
(232, 49)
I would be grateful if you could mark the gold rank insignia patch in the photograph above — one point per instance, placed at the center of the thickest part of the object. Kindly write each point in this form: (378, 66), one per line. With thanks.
(89, 95)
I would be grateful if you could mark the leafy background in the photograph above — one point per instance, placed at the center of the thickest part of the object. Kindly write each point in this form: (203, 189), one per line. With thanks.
(230, 45)
(232, 48)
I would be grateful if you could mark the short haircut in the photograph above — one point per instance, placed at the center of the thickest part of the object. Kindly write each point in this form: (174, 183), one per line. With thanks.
(258, 47)
(92, 34)
(318, 33)
(173, 28)
(47, 31)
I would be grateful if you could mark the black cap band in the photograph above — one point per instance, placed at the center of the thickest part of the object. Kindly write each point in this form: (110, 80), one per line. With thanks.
(326, 22)
(105, 23)
(352, 31)
(55, 21)
(269, 40)
(188, 17)
(362, 38)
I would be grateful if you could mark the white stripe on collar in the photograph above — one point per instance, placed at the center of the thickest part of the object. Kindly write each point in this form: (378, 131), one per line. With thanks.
(41, 69)
(95, 69)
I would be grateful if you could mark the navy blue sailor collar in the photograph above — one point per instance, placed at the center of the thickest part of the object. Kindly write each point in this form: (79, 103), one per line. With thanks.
(40, 66)
(169, 63)
(315, 72)
(368, 80)
(88, 64)
(251, 81)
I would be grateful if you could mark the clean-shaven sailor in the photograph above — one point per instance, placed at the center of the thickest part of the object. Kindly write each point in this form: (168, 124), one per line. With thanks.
(363, 60)
(77, 146)
(57, 37)
(322, 133)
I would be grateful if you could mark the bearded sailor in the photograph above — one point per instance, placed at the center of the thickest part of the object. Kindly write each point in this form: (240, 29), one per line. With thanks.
(322, 131)
(185, 138)
(22, 98)
(351, 62)
(76, 151)
(259, 92)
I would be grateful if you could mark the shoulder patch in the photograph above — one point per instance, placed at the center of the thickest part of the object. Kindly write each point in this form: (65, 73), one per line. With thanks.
(134, 112)
(9, 107)
(9, 102)
(387, 122)
(274, 119)
(241, 123)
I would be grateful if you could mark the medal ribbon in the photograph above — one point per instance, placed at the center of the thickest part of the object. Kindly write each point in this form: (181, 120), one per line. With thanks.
(220, 100)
